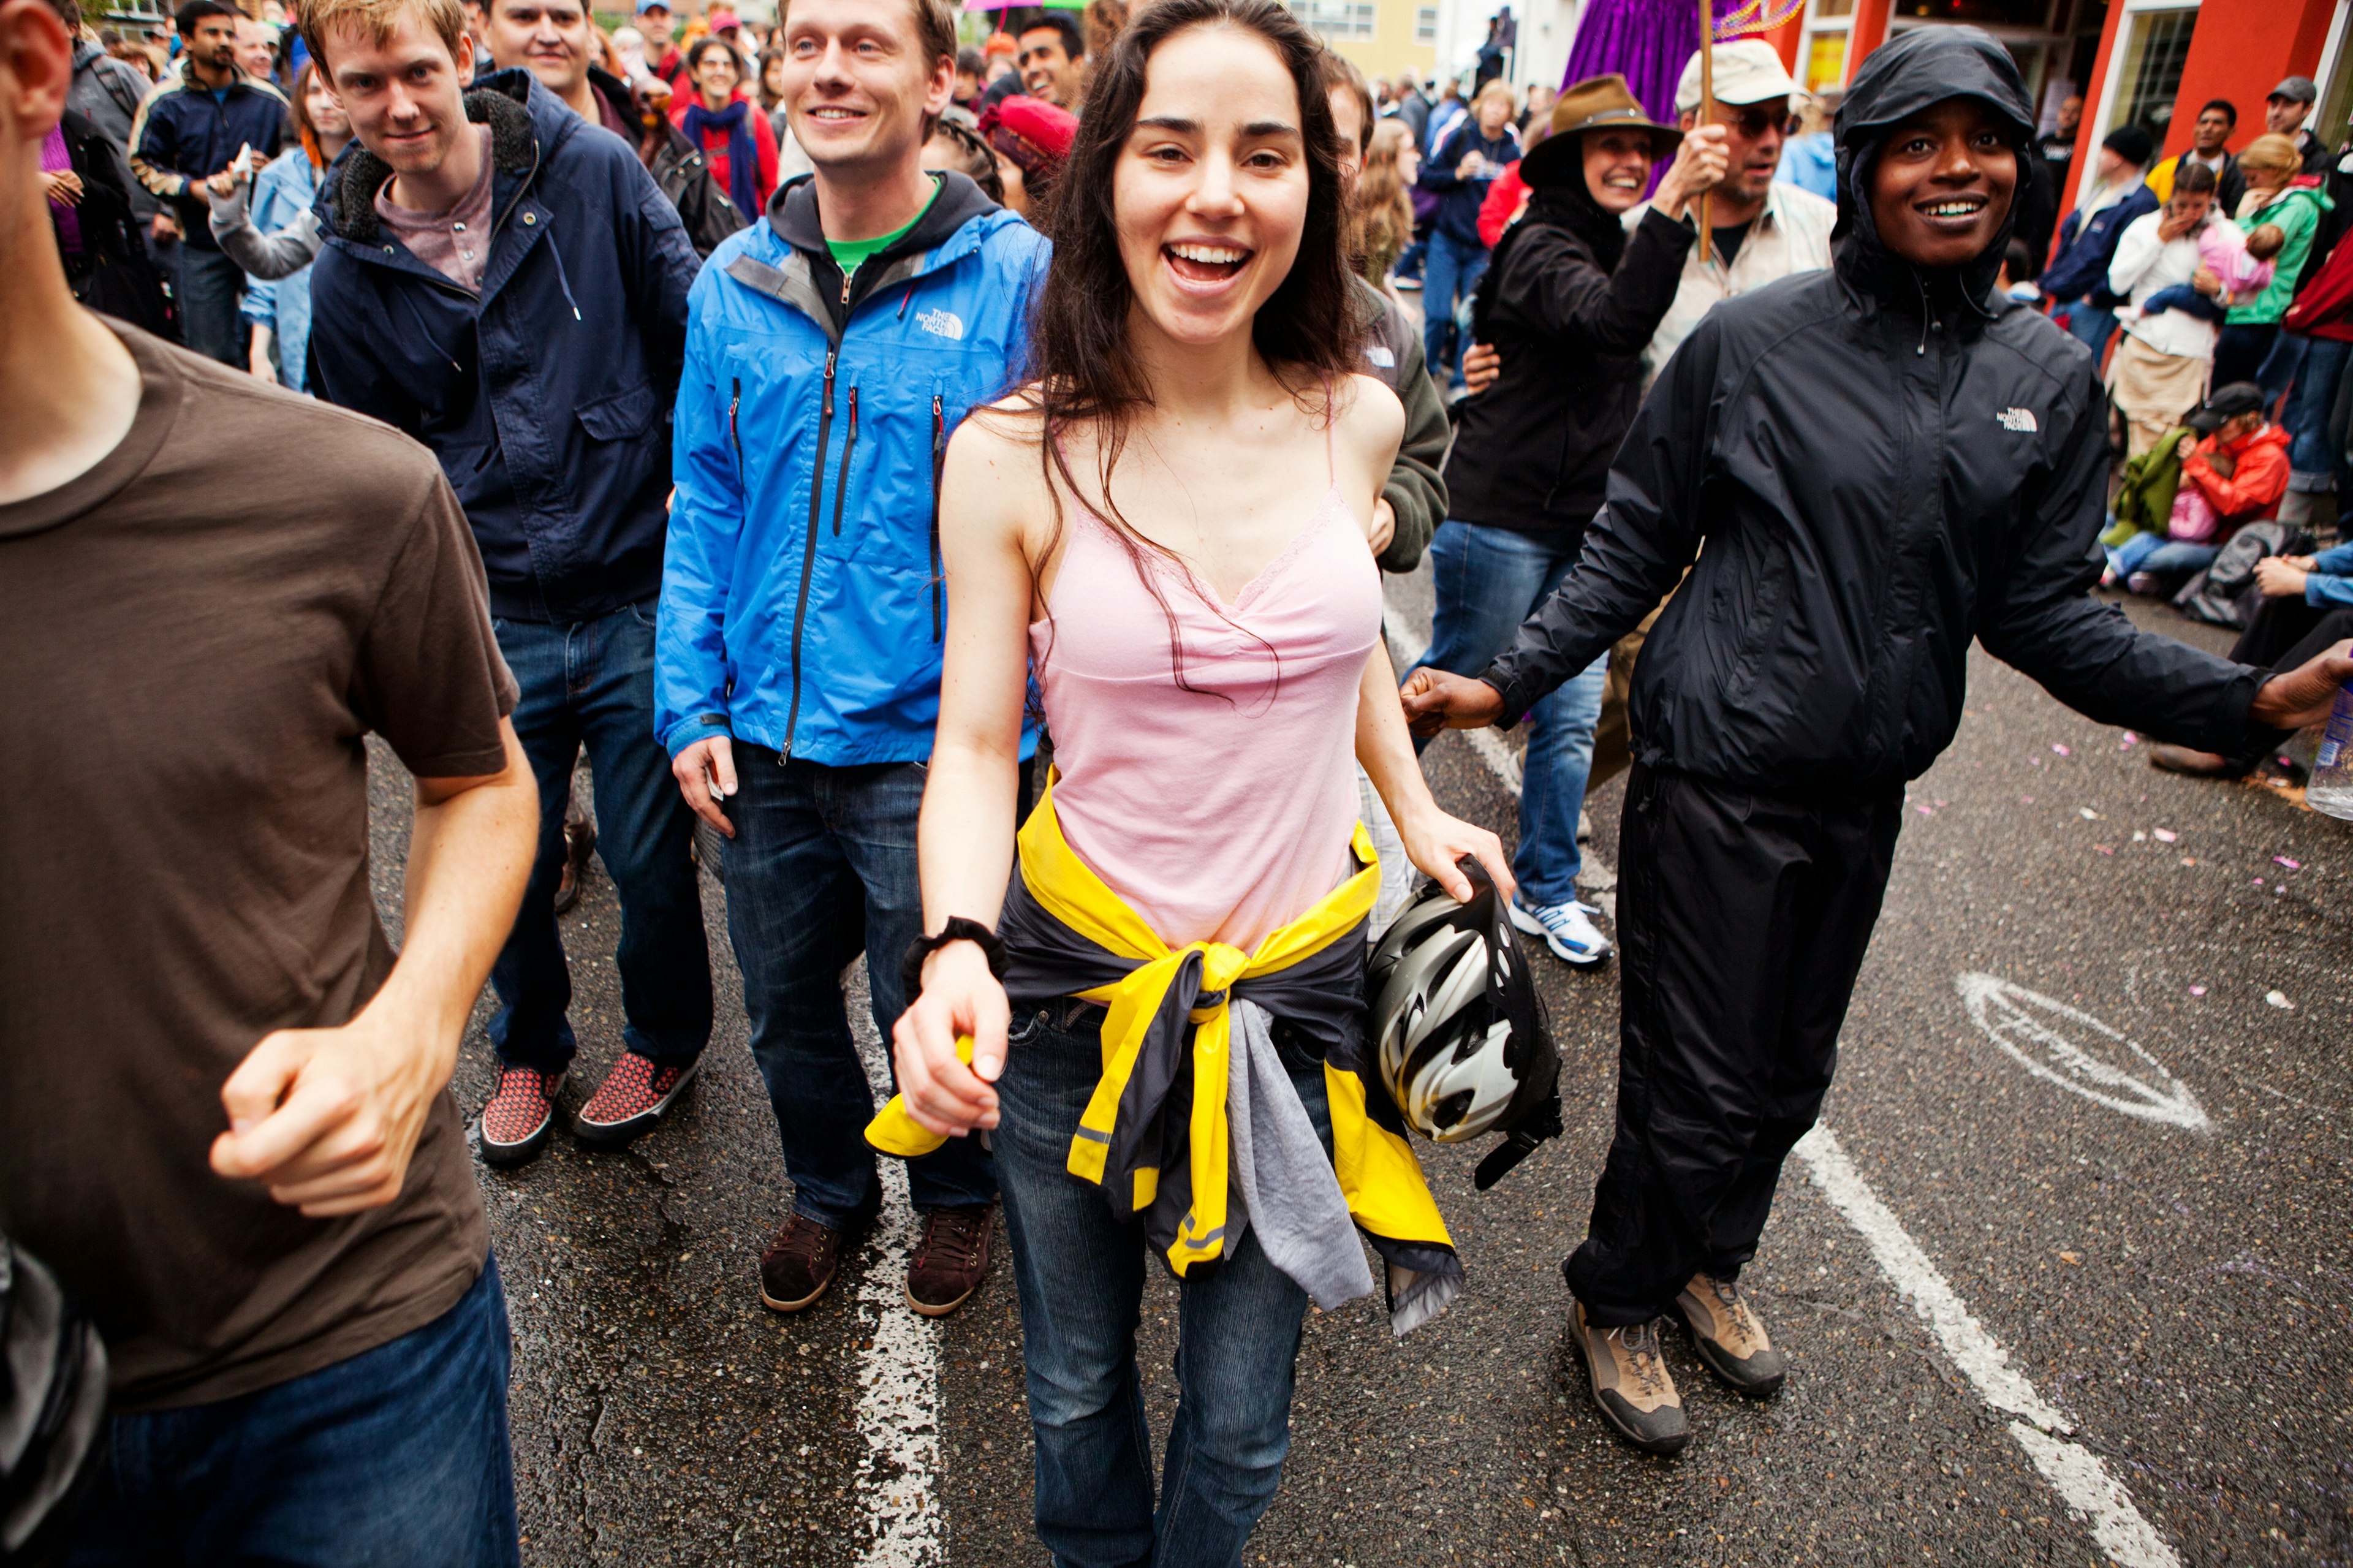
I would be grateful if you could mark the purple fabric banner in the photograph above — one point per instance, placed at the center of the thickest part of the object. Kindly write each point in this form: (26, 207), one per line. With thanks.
(1647, 42)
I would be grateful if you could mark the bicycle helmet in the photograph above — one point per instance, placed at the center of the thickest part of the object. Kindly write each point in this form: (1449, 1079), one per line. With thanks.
(1457, 1026)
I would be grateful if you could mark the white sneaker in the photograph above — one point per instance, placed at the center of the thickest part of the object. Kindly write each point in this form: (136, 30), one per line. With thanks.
(1568, 929)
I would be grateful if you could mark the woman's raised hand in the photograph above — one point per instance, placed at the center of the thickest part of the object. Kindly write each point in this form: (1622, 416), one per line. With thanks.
(960, 996)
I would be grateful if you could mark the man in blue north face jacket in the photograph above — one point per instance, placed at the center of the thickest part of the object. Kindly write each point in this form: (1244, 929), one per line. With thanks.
(832, 349)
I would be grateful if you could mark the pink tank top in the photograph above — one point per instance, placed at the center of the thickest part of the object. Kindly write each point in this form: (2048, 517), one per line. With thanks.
(1222, 813)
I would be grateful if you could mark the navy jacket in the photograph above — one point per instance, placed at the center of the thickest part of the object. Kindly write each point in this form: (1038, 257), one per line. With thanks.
(547, 397)
(2085, 249)
(1458, 200)
(183, 136)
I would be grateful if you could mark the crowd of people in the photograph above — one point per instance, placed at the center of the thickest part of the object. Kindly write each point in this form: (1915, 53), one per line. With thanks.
(946, 491)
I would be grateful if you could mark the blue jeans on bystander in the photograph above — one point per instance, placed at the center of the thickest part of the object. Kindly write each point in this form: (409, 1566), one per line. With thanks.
(2172, 559)
(592, 682)
(1488, 581)
(1080, 1272)
(821, 868)
(398, 1455)
(210, 287)
(1450, 275)
(2312, 459)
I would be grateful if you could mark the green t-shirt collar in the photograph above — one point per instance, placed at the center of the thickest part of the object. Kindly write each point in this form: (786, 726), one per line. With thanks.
(850, 255)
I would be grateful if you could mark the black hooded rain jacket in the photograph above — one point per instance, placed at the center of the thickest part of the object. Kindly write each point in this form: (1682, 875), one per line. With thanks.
(1883, 464)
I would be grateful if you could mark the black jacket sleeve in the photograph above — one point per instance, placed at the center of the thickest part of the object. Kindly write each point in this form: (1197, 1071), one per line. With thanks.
(2038, 614)
(1641, 542)
(1573, 301)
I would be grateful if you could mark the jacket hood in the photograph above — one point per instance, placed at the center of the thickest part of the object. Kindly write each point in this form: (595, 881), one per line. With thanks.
(1921, 67)
(527, 123)
(792, 213)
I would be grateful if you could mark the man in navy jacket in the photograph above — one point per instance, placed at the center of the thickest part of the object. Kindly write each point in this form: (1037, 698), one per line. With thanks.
(2078, 276)
(186, 133)
(505, 282)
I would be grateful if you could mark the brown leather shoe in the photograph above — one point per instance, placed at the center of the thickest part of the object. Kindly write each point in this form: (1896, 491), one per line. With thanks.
(2197, 764)
(800, 1262)
(1729, 1338)
(950, 1260)
(1632, 1384)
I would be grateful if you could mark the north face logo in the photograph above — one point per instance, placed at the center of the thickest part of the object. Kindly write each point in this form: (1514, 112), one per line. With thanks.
(942, 323)
(2019, 419)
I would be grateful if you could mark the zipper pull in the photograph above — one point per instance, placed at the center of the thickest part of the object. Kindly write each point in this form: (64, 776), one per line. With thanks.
(829, 355)
(845, 286)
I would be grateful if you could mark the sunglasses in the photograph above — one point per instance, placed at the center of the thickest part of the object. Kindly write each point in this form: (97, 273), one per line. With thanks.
(1753, 122)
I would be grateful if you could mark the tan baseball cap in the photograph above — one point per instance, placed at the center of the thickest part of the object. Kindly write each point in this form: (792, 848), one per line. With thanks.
(1747, 71)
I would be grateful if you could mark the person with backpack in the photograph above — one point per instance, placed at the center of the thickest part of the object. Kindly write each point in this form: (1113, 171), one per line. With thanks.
(1813, 663)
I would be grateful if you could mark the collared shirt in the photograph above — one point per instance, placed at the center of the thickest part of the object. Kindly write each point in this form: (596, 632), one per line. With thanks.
(1792, 235)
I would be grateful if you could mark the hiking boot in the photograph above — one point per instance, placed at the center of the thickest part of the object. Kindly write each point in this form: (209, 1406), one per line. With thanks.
(1729, 1338)
(1631, 1385)
(1566, 929)
(800, 1262)
(579, 843)
(521, 1113)
(631, 1101)
(950, 1260)
(2175, 759)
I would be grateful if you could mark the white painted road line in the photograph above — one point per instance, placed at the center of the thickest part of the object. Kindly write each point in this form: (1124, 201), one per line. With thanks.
(2076, 1472)
(898, 1368)
(2073, 1471)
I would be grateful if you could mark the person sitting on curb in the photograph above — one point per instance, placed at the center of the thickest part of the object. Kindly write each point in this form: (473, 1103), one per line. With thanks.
(2307, 610)
(2235, 474)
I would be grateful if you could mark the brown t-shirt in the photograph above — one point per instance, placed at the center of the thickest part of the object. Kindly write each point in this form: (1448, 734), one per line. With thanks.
(197, 633)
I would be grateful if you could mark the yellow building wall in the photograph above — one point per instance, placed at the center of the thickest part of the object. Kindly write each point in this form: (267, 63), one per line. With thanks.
(1391, 50)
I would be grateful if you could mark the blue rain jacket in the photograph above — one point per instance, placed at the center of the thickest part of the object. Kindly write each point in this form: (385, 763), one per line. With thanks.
(802, 607)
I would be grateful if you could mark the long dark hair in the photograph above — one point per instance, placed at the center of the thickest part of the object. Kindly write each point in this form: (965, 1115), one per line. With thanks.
(1083, 367)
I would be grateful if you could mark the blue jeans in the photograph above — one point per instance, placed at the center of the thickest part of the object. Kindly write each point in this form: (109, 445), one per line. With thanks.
(1080, 1272)
(592, 682)
(2092, 326)
(210, 287)
(821, 868)
(2278, 370)
(1451, 272)
(2312, 459)
(1489, 579)
(396, 1456)
(2172, 559)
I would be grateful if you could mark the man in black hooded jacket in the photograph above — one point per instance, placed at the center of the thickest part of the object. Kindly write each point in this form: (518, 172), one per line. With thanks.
(1883, 460)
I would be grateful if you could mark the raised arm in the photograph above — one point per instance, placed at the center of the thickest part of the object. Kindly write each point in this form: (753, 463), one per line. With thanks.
(266, 257)
(991, 495)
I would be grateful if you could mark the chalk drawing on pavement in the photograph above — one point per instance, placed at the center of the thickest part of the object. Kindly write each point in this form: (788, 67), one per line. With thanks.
(2077, 1052)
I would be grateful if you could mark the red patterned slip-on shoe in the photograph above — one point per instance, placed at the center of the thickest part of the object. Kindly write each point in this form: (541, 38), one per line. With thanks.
(521, 1113)
(951, 1259)
(631, 1101)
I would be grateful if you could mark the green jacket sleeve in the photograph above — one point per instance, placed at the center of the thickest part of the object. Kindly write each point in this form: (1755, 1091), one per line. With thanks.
(1414, 491)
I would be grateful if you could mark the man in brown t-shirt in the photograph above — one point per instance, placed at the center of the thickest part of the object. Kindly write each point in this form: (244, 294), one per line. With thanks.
(224, 1123)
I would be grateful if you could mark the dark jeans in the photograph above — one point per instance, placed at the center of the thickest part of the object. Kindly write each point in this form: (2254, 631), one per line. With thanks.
(591, 682)
(1741, 922)
(2313, 457)
(210, 287)
(2286, 632)
(1081, 1276)
(396, 1456)
(822, 868)
(2240, 352)
(1450, 277)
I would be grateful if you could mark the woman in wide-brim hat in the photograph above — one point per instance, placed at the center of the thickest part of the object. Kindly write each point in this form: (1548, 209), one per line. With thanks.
(1568, 302)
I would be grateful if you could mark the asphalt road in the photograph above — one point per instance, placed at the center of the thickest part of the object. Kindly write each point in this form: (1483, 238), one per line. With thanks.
(2133, 1179)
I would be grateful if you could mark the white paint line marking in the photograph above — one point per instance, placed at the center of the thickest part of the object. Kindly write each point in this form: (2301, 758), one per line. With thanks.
(2020, 1021)
(2076, 1472)
(897, 1365)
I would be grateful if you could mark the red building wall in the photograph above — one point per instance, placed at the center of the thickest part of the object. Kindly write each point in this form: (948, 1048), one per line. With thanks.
(2240, 51)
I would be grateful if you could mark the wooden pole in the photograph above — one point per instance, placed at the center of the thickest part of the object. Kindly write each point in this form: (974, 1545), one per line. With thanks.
(1706, 112)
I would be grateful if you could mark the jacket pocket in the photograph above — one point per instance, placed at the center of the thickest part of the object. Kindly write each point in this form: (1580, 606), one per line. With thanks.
(623, 415)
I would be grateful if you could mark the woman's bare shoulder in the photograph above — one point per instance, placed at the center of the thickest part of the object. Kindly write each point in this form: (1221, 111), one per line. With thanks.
(1368, 417)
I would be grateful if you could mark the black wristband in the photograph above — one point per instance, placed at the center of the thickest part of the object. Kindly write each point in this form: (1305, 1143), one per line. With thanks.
(957, 928)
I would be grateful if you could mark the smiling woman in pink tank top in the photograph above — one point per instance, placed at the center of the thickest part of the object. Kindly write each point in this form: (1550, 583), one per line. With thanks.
(1168, 528)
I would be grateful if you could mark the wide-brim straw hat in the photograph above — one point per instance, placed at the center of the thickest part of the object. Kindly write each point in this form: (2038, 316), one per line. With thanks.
(1597, 103)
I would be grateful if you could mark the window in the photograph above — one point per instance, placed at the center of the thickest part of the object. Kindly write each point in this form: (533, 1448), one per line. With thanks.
(2159, 43)
(1424, 25)
(2035, 13)
(1337, 18)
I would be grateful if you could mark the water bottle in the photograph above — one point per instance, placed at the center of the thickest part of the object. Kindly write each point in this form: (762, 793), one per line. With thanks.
(2331, 787)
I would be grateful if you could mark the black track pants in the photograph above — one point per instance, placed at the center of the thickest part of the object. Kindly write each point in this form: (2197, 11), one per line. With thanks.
(1742, 920)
